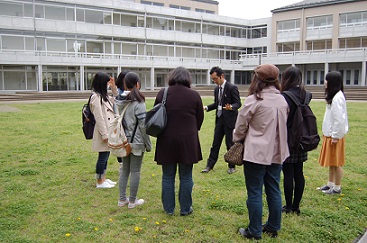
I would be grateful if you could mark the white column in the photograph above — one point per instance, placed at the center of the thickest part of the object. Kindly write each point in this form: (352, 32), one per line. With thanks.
(40, 85)
(232, 77)
(326, 67)
(363, 82)
(81, 73)
(208, 82)
(152, 78)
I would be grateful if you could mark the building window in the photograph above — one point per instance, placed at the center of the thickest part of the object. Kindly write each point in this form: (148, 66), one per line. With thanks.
(56, 13)
(320, 22)
(353, 42)
(353, 18)
(288, 47)
(318, 45)
(287, 25)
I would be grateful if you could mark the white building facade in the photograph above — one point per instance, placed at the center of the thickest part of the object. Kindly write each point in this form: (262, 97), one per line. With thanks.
(61, 44)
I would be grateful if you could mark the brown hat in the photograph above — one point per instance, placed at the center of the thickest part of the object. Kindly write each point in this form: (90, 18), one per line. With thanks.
(267, 73)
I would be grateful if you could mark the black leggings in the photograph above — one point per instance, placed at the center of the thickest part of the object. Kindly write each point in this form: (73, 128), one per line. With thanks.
(294, 182)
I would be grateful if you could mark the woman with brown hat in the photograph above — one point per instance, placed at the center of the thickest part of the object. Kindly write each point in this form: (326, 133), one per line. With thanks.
(262, 125)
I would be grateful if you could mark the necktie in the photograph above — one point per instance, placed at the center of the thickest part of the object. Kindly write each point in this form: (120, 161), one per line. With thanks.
(219, 111)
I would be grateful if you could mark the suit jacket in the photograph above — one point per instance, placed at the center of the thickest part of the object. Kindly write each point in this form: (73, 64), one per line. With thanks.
(231, 96)
(179, 142)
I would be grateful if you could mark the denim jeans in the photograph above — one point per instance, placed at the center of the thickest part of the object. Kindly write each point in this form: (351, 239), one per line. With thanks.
(257, 176)
(101, 165)
(168, 187)
(131, 166)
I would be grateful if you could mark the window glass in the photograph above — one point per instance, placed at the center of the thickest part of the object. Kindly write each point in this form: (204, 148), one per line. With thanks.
(70, 14)
(40, 11)
(28, 10)
(11, 9)
(55, 45)
(14, 80)
(29, 43)
(13, 42)
(57, 13)
(92, 16)
(94, 47)
(107, 18)
(80, 15)
(356, 77)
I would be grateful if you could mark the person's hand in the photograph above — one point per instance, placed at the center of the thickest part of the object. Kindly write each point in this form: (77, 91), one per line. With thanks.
(227, 107)
(205, 108)
(334, 140)
(112, 82)
(105, 140)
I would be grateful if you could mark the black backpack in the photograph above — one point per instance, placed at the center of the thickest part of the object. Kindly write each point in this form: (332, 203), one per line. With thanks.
(302, 135)
(88, 120)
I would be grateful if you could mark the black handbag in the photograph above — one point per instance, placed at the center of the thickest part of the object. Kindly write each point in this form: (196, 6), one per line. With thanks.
(88, 120)
(156, 118)
(235, 154)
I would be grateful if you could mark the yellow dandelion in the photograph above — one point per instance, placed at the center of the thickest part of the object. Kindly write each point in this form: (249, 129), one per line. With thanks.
(144, 218)
(339, 199)
(346, 208)
(79, 218)
(136, 229)
(164, 221)
(306, 177)
(96, 228)
(359, 189)
(157, 223)
(110, 220)
(213, 202)
(153, 175)
(187, 230)
(154, 236)
(342, 195)
(67, 234)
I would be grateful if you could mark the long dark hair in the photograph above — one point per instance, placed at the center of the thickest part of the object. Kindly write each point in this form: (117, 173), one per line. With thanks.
(180, 75)
(334, 85)
(257, 85)
(130, 81)
(292, 77)
(99, 84)
(120, 80)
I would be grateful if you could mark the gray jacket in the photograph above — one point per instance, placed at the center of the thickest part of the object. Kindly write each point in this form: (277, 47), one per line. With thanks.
(134, 119)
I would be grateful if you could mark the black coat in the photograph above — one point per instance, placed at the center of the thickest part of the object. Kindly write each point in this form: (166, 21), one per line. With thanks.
(179, 142)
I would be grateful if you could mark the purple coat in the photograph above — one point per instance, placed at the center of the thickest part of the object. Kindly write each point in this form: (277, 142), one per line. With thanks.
(179, 142)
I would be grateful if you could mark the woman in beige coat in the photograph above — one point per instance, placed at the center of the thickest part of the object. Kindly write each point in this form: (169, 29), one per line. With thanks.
(262, 125)
(102, 108)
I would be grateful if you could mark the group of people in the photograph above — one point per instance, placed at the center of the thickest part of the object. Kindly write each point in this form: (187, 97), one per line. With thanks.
(261, 125)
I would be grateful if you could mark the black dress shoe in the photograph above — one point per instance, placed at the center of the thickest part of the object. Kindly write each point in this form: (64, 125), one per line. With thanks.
(285, 209)
(245, 233)
(296, 211)
(271, 233)
(206, 170)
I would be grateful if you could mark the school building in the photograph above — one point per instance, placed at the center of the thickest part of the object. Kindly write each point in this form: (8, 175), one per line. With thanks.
(58, 45)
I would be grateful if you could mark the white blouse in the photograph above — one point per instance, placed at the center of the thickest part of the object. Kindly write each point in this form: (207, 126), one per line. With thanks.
(335, 122)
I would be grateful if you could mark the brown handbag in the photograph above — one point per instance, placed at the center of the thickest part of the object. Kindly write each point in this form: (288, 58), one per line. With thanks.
(235, 154)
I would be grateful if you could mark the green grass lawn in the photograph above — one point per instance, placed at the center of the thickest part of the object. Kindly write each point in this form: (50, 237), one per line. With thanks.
(48, 194)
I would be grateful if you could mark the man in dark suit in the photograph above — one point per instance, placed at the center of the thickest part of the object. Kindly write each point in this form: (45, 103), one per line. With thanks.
(226, 103)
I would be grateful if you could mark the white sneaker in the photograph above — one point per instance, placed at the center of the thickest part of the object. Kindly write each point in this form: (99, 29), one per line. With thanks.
(111, 182)
(123, 203)
(137, 202)
(105, 184)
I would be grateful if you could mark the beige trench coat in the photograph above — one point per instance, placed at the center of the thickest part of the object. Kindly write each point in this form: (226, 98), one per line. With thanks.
(104, 114)
(262, 124)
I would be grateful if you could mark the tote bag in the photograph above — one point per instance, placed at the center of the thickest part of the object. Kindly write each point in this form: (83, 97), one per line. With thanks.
(156, 118)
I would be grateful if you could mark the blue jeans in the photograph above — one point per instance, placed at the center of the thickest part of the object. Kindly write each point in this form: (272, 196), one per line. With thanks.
(168, 187)
(101, 165)
(257, 176)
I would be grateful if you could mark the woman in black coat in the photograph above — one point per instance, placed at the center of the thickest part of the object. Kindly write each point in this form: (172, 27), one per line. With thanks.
(178, 146)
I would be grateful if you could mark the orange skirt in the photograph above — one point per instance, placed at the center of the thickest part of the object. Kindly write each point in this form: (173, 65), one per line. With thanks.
(332, 154)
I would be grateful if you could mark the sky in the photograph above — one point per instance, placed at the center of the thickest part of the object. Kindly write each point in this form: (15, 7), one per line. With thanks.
(251, 9)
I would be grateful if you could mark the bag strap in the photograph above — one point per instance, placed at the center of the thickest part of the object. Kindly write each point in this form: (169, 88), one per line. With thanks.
(164, 96)
(136, 126)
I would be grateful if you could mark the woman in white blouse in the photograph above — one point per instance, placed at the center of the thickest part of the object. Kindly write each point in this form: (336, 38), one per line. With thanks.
(334, 129)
